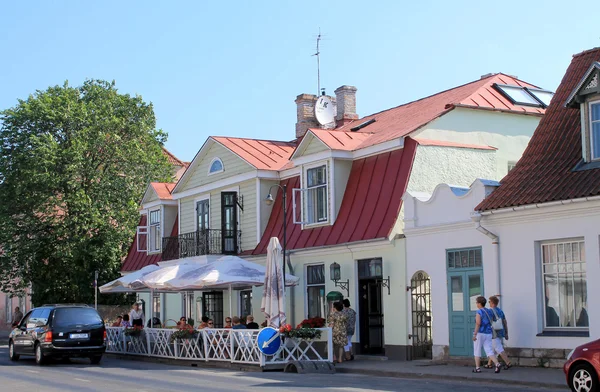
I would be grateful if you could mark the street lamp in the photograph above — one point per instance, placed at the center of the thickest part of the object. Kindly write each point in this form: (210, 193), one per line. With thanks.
(336, 276)
(269, 201)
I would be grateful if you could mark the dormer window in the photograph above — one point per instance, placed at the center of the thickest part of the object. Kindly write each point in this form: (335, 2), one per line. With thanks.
(216, 166)
(595, 129)
(313, 198)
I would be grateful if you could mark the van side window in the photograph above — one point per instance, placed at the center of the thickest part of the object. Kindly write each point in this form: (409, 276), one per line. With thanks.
(25, 320)
(33, 318)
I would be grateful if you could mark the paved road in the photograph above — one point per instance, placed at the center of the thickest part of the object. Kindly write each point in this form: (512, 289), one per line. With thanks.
(118, 375)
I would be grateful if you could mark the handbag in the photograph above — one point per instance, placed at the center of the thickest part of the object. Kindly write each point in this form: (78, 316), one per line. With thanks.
(494, 331)
(497, 324)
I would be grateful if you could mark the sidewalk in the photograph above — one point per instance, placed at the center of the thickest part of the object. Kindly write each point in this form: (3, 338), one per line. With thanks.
(526, 376)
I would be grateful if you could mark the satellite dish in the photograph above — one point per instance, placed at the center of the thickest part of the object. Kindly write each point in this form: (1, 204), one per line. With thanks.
(324, 110)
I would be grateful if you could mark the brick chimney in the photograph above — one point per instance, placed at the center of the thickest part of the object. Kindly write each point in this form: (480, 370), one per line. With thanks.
(305, 112)
(345, 97)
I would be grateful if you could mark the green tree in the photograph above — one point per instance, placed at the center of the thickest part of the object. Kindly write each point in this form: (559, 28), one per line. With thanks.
(74, 164)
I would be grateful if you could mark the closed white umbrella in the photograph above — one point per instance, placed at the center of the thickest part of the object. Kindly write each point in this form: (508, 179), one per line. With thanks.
(124, 283)
(273, 300)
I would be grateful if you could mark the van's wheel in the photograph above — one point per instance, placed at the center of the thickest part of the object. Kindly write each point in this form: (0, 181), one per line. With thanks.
(95, 359)
(11, 352)
(584, 379)
(39, 356)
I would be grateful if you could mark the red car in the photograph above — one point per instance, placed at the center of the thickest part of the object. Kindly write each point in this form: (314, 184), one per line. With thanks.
(583, 366)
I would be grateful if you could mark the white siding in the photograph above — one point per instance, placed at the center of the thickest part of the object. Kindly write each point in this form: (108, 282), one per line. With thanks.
(232, 165)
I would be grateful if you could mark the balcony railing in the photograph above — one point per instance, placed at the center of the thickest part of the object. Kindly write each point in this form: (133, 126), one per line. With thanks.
(203, 242)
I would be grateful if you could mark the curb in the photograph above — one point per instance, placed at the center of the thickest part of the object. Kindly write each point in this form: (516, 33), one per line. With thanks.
(413, 375)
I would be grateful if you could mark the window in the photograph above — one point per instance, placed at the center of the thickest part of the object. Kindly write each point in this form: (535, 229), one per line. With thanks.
(66, 317)
(216, 166)
(525, 96)
(464, 258)
(245, 303)
(39, 317)
(595, 129)
(565, 285)
(155, 231)
(511, 165)
(156, 305)
(315, 289)
(8, 308)
(188, 303)
(316, 196)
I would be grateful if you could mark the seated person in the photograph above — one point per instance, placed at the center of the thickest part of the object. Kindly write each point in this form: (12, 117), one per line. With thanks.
(118, 322)
(237, 324)
(227, 323)
(250, 324)
(204, 323)
(155, 323)
(182, 322)
(125, 323)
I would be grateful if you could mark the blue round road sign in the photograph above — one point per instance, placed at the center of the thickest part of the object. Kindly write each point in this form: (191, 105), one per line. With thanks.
(268, 341)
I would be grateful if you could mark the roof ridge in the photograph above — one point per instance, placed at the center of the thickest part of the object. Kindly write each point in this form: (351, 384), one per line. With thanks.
(423, 98)
(586, 51)
(257, 140)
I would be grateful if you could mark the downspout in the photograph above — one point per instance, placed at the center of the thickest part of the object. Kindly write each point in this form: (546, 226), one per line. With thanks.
(292, 292)
(476, 217)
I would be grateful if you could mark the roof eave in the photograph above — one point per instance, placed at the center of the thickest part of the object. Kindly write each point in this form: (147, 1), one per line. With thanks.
(525, 113)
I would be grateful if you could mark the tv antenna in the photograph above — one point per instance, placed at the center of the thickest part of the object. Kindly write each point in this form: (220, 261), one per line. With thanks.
(318, 64)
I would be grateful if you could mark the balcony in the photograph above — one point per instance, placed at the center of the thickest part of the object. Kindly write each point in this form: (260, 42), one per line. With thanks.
(199, 243)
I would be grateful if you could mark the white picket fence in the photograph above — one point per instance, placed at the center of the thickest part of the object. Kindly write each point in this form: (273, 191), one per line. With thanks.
(226, 345)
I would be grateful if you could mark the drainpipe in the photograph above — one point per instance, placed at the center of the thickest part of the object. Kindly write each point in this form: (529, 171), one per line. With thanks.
(476, 217)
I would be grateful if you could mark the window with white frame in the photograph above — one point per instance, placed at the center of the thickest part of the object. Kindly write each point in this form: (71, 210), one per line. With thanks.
(316, 195)
(565, 284)
(595, 129)
(155, 231)
(315, 290)
(216, 166)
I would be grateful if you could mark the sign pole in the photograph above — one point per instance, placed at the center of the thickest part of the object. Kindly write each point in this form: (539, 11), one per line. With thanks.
(96, 289)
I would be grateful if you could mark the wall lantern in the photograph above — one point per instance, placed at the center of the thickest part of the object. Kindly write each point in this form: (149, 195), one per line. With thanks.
(336, 276)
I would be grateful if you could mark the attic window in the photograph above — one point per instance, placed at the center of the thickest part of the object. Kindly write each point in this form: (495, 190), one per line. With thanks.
(216, 166)
(595, 129)
(525, 96)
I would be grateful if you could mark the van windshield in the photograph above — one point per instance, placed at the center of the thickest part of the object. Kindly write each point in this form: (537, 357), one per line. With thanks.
(76, 316)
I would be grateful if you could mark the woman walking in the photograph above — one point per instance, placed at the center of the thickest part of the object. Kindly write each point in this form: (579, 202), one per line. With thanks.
(500, 334)
(338, 324)
(482, 336)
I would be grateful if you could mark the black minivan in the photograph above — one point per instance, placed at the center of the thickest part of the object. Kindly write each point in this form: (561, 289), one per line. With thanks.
(59, 331)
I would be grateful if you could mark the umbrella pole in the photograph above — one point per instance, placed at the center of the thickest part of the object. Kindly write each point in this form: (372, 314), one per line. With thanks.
(151, 307)
(230, 296)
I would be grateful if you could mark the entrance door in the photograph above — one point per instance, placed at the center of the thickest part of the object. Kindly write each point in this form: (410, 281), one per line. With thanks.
(420, 294)
(212, 307)
(202, 226)
(371, 317)
(229, 223)
(464, 286)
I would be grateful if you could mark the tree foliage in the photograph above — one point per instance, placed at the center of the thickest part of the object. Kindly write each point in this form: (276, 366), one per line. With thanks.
(74, 164)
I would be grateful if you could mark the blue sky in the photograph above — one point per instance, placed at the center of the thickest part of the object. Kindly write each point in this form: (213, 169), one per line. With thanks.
(234, 68)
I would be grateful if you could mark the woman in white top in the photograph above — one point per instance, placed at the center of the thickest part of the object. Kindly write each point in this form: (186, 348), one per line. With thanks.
(136, 315)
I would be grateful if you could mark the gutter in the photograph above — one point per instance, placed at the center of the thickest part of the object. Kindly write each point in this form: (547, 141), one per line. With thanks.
(538, 205)
(476, 217)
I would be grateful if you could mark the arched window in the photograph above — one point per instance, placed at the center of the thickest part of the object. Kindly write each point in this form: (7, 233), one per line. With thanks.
(216, 166)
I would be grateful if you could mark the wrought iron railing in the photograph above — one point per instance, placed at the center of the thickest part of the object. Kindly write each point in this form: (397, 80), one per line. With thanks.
(203, 242)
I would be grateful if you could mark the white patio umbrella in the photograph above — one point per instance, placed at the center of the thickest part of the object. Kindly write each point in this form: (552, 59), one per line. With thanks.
(227, 272)
(273, 300)
(160, 279)
(124, 283)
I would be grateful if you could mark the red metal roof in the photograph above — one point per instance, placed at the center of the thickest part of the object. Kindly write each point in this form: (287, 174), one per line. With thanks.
(340, 140)
(545, 171)
(369, 209)
(163, 189)
(444, 143)
(136, 260)
(402, 120)
(262, 154)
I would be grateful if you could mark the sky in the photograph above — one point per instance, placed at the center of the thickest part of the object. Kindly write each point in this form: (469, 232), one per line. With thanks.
(235, 68)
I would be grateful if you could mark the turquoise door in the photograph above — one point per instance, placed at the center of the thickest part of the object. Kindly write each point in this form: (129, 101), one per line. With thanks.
(465, 284)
